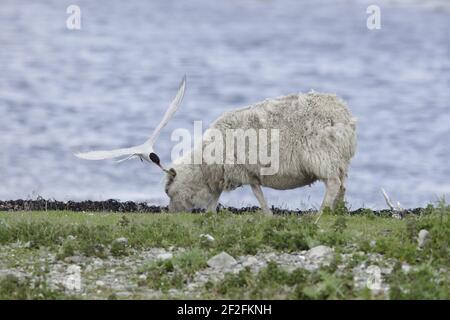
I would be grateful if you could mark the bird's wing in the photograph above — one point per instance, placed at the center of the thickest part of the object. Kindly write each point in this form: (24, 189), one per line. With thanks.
(169, 113)
(110, 154)
(131, 156)
(144, 148)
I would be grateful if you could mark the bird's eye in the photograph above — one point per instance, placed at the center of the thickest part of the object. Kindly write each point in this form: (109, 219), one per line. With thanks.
(154, 157)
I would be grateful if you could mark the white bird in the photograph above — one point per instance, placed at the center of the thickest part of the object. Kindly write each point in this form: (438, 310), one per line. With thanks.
(145, 150)
(398, 207)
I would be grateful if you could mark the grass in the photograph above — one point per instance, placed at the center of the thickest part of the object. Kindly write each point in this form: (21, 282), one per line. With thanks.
(274, 282)
(173, 273)
(93, 235)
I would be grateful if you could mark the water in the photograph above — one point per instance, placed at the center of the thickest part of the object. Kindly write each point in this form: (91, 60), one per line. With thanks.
(106, 86)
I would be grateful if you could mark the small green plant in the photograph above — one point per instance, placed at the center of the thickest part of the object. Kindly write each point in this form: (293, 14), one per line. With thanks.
(67, 249)
(13, 288)
(124, 221)
(412, 228)
(235, 284)
(340, 208)
(162, 275)
(424, 283)
(289, 234)
(118, 248)
(340, 224)
(191, 261)
(429, 209)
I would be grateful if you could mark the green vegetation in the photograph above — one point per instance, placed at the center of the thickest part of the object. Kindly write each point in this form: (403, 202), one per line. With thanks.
(173, 273)
(12, 288)
(273, 282)
(67, 234)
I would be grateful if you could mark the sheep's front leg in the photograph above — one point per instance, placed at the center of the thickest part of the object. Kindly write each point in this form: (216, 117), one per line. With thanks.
(257, 191)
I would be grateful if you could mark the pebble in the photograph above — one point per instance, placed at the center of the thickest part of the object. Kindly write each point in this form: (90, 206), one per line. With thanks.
(122, 240)
(406, 267)
(250, 261)
(207, 237)
(123, 294)
(320, 254)
(423, 238)
(164, 256)
(142, 277)
(99, 283)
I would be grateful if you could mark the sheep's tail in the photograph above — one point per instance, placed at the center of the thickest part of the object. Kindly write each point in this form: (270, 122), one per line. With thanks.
(353, 122)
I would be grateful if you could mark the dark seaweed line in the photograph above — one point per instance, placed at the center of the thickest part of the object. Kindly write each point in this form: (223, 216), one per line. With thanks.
(112, 205)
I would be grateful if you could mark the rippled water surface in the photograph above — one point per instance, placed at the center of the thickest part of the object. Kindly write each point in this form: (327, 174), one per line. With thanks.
(106, 86)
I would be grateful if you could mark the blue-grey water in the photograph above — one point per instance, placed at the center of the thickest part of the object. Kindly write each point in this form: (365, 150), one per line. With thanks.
(107, 85)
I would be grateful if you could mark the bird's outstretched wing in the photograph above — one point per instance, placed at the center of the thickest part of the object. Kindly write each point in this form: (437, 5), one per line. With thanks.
(145, 148)
(110, 154)
(169, 113)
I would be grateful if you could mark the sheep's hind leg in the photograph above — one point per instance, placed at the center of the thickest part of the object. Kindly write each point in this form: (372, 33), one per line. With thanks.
(257, 191)
(340, 198)
(333, 186)
(212, 205)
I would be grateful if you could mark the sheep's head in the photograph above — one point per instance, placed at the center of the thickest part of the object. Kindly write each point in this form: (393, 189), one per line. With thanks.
(186, 189)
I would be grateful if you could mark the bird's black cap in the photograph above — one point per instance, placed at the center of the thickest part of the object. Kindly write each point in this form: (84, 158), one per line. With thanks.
(154, 158)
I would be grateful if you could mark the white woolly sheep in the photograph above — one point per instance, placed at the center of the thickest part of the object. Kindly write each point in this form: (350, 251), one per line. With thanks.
(317, 139)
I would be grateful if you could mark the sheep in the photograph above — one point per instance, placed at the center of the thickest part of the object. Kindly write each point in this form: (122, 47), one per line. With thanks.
(317, 139)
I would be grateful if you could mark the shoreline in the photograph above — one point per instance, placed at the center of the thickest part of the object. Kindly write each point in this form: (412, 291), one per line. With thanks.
(113, 205)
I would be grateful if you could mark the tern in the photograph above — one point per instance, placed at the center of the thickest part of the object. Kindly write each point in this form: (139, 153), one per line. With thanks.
(145, 150)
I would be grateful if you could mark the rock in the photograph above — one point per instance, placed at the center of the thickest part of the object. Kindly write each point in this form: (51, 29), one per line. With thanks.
(73, 268)
(320, 254)
(423, 238)
(373, 278)
(250, 261)
(207, 237)
(164, 256)
(270, 256)
(72, 279)
(74, 259)
(99, 283)
(71, 237)
(122, 240)
(221, 261)
(124, 294)
(406, 268)
(97, 263)
(142, 277)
